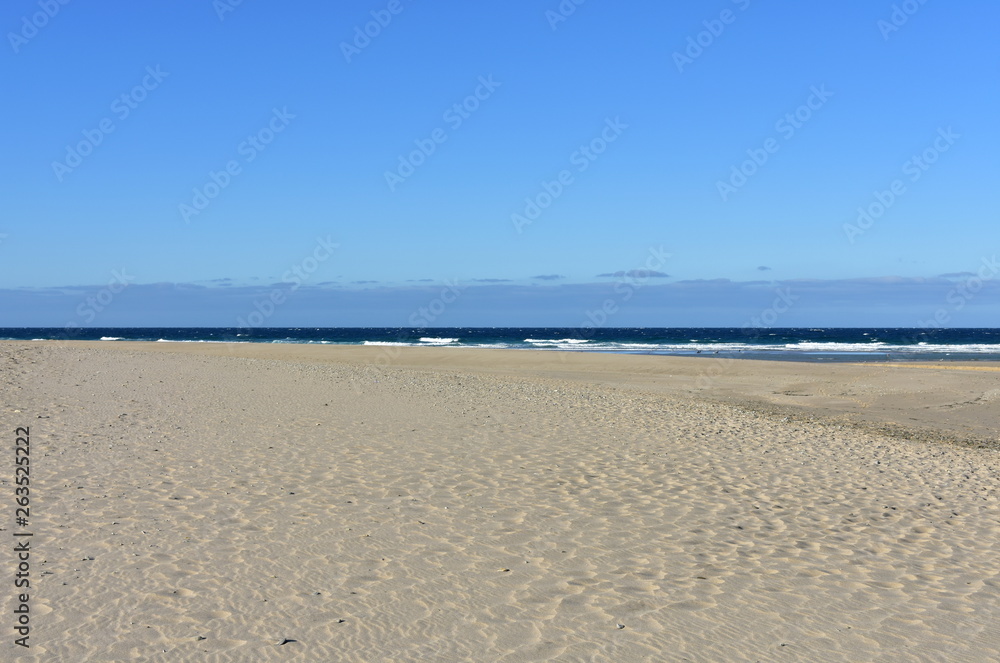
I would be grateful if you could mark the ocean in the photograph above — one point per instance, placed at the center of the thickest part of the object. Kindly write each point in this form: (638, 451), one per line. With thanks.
(801, 344)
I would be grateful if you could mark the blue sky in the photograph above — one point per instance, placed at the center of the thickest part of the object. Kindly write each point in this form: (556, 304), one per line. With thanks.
(178, 162)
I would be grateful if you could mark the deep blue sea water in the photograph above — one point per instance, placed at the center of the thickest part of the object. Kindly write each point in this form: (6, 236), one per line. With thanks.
(813, 344)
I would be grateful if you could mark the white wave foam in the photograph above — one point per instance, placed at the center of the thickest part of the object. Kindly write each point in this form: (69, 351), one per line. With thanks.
(831, 346)
(111, 338)
(970, 348)
(437, 341)
(637, 346)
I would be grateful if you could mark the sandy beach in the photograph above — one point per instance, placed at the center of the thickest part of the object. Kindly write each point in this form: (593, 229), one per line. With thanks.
(267, 502)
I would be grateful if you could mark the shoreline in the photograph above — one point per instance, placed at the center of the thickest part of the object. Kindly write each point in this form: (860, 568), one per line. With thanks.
(827, 345)
(955, 402)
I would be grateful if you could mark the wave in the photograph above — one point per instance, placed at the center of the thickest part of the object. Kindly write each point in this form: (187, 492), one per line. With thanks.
(801, 348)
(880, 347)
(814, 344)
(832, 346)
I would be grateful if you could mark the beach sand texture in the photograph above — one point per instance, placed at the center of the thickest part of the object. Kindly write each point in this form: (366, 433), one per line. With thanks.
(206, 502)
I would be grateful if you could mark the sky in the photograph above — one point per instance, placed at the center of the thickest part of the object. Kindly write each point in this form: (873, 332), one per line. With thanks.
(500, 163)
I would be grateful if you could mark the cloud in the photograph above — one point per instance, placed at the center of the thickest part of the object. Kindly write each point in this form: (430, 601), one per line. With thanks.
(956, 275)
(548, 277)
(491, 280)
(363, 282)
(764, 268)
(890, 301)
(713, 281)
(420, 280)
(636, 274)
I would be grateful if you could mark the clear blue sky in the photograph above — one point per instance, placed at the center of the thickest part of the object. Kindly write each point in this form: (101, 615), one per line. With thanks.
(118, 113)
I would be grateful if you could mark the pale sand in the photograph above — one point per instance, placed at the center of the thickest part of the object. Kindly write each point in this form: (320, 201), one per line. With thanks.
(464, 505)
